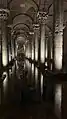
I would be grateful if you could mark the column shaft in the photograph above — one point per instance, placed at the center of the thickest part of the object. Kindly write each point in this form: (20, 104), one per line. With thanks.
(58, 34)
(12, 47)
(9, 44)
(4, 44)
(42, 58)
(36, 46)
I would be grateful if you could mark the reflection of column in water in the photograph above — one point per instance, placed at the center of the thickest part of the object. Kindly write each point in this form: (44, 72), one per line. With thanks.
(58, 97)
(5, 85)
(32, 73)
(41, 84)
(10, 73)
(36, 77)
(29, 72)
(13, 70)
(32, 69)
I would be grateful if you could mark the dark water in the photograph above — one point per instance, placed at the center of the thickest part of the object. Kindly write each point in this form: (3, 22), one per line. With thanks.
(20, 96)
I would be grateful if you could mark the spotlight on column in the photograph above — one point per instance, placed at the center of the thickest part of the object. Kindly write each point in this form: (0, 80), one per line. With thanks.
(41, 84)
(58, 51)
(4, 58)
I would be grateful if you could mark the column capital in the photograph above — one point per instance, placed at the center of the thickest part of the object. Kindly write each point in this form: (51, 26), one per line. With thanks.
(4, 13)
(42, 16)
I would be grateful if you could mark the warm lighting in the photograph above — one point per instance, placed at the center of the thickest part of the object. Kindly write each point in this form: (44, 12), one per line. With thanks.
(29, 53)
(4, 57)
(46, 55)
(41, 84)
(43, 44)
(32, 51)
(5, 82)
(42, 52)
(9, 55)
(33, 68)
(36, 47)
(58, 51)
(32, 54)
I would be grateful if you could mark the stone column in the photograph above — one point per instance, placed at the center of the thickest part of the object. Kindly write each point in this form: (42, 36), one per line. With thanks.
(15, 47)
(4, 16)
(50, 56)
(58, 34)
(42, 19)
(46, 52)
(36, 28)
(9, 44)
(12, 45)
(32, 49)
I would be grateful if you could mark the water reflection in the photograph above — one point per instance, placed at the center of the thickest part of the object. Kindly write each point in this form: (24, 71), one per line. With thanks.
(5, 82)
(36, 76)
(58, 98)
(10, 73)
(32, 68)
(41, 84)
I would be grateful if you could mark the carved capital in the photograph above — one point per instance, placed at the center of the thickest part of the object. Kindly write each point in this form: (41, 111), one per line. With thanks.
(4, 13)
(42, 16)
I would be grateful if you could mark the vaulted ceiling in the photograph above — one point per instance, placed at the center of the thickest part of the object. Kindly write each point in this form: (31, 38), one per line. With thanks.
(23, 13)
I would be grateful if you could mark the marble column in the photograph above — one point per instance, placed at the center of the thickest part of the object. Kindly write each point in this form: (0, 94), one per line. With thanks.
(58, 34)
(15, 47)
(12, 46)
(42, 19)
(50, 55)
(46, 52)
(9, 44)
(36, 28)
(4, 16)
(32, 49)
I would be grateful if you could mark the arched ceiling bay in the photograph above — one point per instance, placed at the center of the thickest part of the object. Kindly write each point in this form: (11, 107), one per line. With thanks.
(25, 11)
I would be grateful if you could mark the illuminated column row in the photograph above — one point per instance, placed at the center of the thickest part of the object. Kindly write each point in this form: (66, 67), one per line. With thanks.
(7, 45)
(58, 33)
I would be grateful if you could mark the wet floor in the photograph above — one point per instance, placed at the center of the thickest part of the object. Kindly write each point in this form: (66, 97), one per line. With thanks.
(20, 96)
